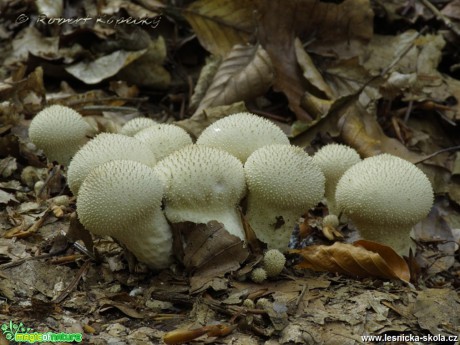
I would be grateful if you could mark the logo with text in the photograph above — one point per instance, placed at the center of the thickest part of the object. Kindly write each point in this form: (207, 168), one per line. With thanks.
(23, 334)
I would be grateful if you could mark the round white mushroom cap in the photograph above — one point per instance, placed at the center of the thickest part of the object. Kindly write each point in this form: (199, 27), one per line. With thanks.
(331, 220)
(164, 139)
(135, 125)
(59, 131)
(334, 160)
(122, 199)
(283, 184)
(273, 262)
(203, 184)
(241, 134)
(258, 275)
(103, 148)
(385, 196)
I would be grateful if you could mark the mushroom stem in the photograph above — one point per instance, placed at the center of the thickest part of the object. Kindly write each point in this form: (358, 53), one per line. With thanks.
(379, 233)
(269, 226)
(155, 251)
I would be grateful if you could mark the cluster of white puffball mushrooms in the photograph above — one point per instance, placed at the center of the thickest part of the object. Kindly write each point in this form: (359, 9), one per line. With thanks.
(130, 184)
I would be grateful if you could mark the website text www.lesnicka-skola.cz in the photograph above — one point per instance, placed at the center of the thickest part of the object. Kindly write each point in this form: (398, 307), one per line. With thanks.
(438, 338)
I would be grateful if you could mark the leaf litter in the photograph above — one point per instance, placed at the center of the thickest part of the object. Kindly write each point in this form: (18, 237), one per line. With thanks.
(317, 69)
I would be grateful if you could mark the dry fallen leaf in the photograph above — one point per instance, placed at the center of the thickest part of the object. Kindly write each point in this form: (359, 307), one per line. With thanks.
(364, 259)
(95, 71)
(244, 74)
(219, 25)
(210, 252)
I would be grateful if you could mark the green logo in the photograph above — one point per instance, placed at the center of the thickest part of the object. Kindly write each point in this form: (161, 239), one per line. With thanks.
(23, 334)
(11, 329)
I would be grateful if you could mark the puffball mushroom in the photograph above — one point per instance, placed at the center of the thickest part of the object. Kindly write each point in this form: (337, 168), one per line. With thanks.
(241, 134)
(164, 139)
(103, 148)
(273, 262)
(384, 196)
(334, 160)
(203, 184)
(283, 184)
(60, 132)
(258, 275)
(122, 199)
(135, 125)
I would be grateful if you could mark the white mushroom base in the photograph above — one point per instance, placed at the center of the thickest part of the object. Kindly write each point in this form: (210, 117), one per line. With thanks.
(272, 226)
(401, 242)
(150, 240)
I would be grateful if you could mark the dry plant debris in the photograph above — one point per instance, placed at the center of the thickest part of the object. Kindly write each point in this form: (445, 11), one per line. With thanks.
(378, 76)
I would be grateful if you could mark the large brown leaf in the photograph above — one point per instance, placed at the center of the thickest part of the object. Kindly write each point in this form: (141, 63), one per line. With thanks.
(210, 252)
(363, 259)
(220, 24)
(244, 74)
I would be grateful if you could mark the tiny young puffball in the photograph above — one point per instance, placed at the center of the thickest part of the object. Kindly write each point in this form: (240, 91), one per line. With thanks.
(273, 262)
(258, 275)
(331, 220)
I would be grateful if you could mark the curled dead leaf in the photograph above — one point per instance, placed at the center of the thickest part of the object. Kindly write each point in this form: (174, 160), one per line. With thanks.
(245, 73)
(363, 259)
(209, 252)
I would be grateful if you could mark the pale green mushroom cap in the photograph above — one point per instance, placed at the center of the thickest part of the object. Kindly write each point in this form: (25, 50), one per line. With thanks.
(135, 125)
(273, 262)
(103, 148)
(203, 184)
(334, 160)
(164, 139)
(60, 132)
(241, 134)
(283, 184)
(122, 198)
(385, 196)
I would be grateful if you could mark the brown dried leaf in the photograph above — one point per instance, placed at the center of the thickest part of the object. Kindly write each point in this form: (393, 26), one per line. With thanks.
(436, 231)
(93, 72)
(205, 79)
(219, 25)
(125, 308)
(210, 252)
(280, 23)
(360, 130)
(365, 259)
(245, 73)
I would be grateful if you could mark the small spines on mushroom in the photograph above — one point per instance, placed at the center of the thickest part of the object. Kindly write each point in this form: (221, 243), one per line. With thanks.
(60, 132)
(135, 125)
(273, 262)
(122, 199)
(385, 196)
(334, 160)
(283, 183)
(164, 139)
(203, 184)
(258, 275)
(241, 134)
(103, 148)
